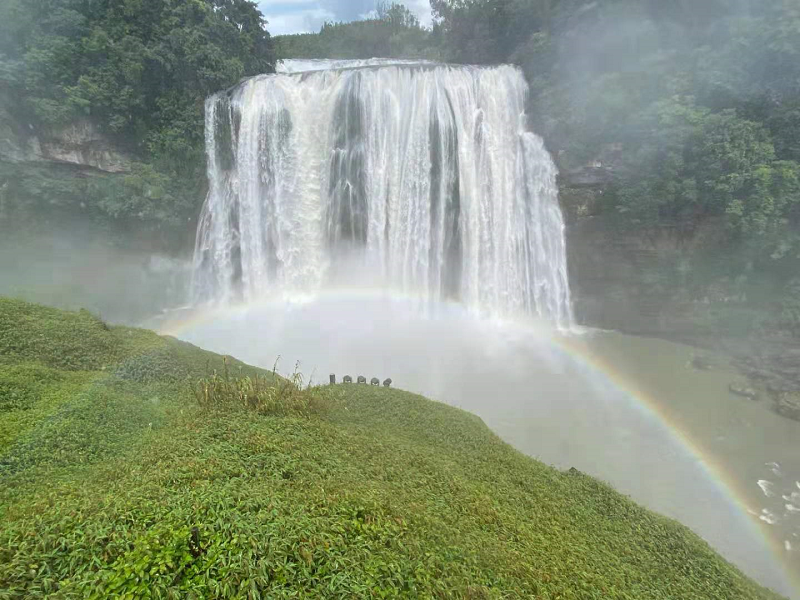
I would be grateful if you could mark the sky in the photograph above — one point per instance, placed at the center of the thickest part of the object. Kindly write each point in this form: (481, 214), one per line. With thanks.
(300, 16)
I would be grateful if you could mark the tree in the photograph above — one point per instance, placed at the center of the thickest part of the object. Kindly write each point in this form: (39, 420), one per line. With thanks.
(138, 69)
(397, 16)
(393, 32)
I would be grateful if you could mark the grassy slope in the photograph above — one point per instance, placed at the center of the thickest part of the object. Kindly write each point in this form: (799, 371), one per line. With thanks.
(113, 480)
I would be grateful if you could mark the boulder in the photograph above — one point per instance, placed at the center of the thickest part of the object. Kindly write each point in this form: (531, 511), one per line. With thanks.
(387, 383)
(703, 363)
(788, 405)
(347, 379)
(743, 391)
(362, 379)
(375, 381)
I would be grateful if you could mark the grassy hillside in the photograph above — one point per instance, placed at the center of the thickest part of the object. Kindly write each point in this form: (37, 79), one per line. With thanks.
(126, 470)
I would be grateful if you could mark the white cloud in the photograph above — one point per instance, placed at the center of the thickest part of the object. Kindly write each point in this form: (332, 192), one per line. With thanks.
(303, 21)
(421, 8)
(303, 16)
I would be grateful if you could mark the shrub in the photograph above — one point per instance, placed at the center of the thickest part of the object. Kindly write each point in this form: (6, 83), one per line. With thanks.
(21, 385)
(264, 395)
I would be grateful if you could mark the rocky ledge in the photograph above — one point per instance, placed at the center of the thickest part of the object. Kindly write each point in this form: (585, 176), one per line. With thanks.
(788, 404)
(776, 367)
(80, 143)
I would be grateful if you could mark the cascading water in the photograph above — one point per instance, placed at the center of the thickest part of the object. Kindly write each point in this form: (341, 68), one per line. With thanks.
(418, 177)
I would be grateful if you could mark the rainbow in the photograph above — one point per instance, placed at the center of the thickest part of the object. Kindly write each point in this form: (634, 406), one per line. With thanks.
(714, 470)
(570, 345)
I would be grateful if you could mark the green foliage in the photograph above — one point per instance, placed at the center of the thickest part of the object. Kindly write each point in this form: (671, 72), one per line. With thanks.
(394, 32)
(21, 386)
(126, 487)
(693, 164)
(123, 62)
(70, 435)
(146, 194)
(263, 395)
(139, 70)
(67, 341)
(80, 341)
(485, 32)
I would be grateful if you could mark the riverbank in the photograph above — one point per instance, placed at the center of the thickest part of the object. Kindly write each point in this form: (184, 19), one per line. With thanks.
(657, 284)
(132, 485)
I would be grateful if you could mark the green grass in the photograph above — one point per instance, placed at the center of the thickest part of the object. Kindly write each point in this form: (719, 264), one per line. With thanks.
(119, 480)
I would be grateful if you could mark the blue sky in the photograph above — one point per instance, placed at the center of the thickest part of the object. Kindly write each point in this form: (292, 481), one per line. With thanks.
(298, 16)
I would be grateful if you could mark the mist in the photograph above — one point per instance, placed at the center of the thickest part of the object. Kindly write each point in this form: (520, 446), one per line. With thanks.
(74, 264)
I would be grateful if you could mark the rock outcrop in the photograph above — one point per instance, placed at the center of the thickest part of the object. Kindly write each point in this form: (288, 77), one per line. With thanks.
(594, 175)
(788, 405)
(80, 143)
(738, 389)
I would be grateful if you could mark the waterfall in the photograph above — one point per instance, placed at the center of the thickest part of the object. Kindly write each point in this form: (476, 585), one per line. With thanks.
(416, 177)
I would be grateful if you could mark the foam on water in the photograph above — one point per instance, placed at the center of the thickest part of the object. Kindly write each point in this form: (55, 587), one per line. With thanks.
(766, 487)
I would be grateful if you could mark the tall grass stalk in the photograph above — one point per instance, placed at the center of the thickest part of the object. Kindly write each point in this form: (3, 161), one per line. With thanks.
(277, 396)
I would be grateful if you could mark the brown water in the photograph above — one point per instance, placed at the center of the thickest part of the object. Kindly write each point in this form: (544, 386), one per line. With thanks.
(631, 411)
(751, 449)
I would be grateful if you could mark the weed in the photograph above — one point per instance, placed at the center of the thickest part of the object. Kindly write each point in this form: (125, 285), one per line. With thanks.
(262, 394)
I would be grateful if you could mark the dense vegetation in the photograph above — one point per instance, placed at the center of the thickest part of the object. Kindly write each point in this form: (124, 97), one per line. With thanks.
(127, 470)
(392, 32)
(703, 97)
(141, 72)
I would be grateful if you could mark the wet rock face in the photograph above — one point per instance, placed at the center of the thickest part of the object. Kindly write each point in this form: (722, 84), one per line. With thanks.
(788, 404)
(81, 144)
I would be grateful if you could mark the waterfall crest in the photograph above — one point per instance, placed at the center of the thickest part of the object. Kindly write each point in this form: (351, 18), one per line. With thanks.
(416, 177)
